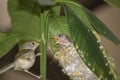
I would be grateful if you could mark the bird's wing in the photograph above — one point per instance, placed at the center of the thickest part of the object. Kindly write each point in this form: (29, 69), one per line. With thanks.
(24, 51)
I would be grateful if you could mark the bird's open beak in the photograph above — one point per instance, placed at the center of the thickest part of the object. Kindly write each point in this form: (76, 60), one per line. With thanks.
(56, 39)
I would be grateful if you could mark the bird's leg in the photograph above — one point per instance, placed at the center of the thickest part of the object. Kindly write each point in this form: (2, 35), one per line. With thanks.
(38, 77)
(38, 54)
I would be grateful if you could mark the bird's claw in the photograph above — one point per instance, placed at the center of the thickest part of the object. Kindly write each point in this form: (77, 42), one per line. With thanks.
(38, 54)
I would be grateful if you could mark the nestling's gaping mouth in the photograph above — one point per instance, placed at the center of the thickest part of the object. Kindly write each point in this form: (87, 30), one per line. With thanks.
(55, 38)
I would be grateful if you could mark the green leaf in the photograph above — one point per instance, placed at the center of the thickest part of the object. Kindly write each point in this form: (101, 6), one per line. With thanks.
(25, 23)
(91, 21)
(101, 28)
(25, 18)
(115, 3)
(58, 25)
(87, 45)
(56, 10)
(7, 42)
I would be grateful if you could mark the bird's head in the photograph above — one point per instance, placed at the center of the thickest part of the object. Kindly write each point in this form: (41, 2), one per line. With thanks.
(30, 45)
(62, 40)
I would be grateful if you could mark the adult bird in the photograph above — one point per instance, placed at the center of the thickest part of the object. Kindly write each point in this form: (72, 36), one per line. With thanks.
(24, 59)
(71, 61)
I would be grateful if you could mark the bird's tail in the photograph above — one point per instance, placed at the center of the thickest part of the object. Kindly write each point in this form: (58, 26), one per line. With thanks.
(7, 67)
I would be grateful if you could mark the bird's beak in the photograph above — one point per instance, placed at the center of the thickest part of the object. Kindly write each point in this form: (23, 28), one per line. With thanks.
(56, 39)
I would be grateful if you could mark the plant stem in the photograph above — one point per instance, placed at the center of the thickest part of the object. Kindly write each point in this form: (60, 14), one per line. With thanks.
(43, 43)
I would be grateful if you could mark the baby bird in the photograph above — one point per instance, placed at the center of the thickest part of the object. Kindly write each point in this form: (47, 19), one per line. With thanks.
(70, 60)
(24, 59)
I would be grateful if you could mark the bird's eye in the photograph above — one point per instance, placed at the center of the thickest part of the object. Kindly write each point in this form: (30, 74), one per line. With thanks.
(33, 43)
(59, 35)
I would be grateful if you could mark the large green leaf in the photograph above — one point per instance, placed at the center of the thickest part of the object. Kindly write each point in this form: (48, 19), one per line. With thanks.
(25, 16)
(115, 3)
(7, 42)
(58, 25)
(87, 45)
(25, 23)
(56, 10)
(90, 20)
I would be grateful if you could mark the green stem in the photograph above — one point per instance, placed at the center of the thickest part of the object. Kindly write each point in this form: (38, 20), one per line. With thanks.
(43, 43)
